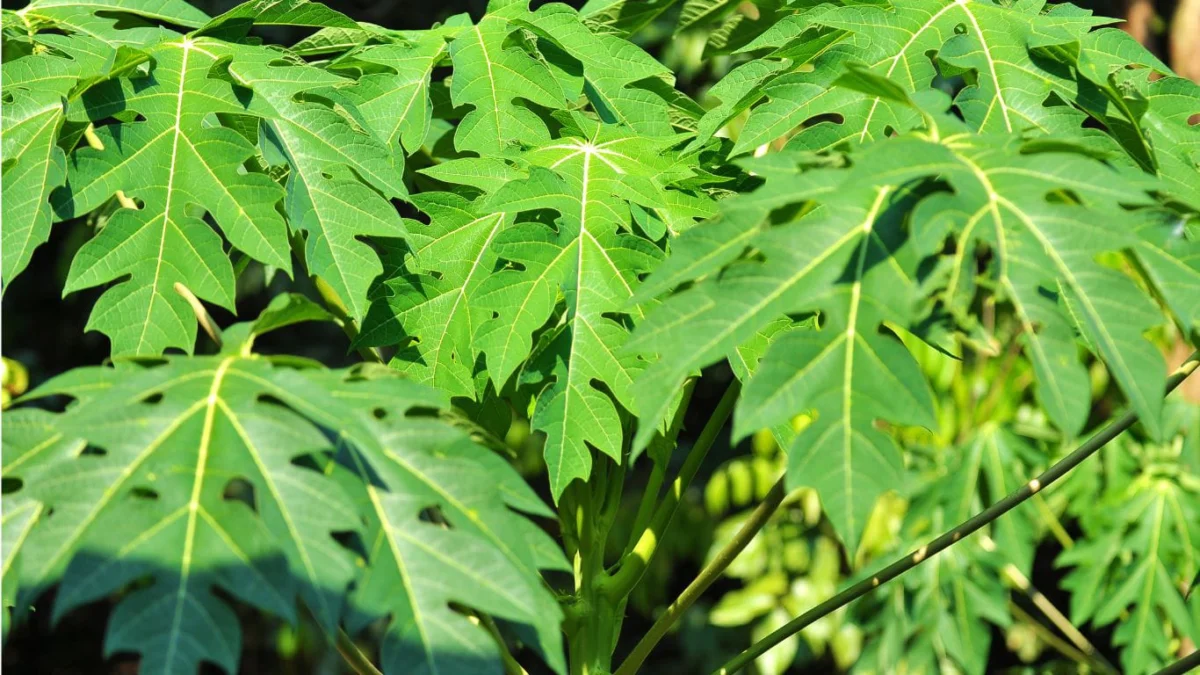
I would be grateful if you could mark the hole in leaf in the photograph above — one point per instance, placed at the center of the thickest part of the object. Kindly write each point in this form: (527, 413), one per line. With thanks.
(240, 490)
(433, 514)
(10, 485)
(141, 492)
(832, 118)
(352, 541)
(420, 411)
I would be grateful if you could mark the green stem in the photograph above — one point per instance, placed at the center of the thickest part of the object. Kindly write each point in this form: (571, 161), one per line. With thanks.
(1048, 636)
(634, 564)
(511, 667)
(334, 304)
(711, 572)
(646, 508)
(954, 535)
(659, 472)
(1184, 665)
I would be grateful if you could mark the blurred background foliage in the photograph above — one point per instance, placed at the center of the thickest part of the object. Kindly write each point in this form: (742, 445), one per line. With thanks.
(1053, 588)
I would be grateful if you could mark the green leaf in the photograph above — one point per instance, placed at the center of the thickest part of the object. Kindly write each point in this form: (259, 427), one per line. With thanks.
(37, 90)
(622, 17)
(1129, 570)
(991, 44)
(1170, 256)
(488, 558)
(33, 448)
(34, 166)
(612, 69)
(284, 310)
(116, 22)
(850, 258)
(590, 182)
(194, 486)
(342, 175)
(490, 75)
(396, 104)
(210, 472)
(279, 13)
(173, 164)
(436, 317)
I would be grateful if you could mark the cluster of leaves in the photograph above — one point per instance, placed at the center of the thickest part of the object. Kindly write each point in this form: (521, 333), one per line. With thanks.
(525, 214)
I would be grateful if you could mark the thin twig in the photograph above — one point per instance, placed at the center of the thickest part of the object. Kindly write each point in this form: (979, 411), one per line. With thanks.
(1184, 665)
(711, 572)
(1056, 617)
(954, 535)
(1048, 636)
(511, 667)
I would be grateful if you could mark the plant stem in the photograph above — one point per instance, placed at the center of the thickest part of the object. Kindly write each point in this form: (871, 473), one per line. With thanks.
(1183, 665)
(711, 572)
(1052, 522)
(634, 563)
(353, 656)
(1048, 636)
(1056, 617)
(334, 304)
(659, 472)
(646, 508)
(954, 535)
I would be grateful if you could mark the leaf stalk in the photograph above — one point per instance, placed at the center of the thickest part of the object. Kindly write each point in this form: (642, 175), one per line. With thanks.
(711, 572)
(634, 564)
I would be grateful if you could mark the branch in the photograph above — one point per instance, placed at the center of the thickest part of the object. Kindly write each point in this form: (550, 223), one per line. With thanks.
(634, 563)
(1184, 665)
(711, 572)
(954, 535)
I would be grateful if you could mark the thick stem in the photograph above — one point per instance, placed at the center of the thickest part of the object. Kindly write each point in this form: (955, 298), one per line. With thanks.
(591, 637)
(954, 535)
(711, 572)
(634, 564)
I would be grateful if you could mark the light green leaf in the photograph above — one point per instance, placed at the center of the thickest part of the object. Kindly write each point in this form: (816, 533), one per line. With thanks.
(434, 318)
(342, 175)
(1007, 90)
(194, 486)
(590, 182)
(612, 68)
(173, 164)
(490, 75)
